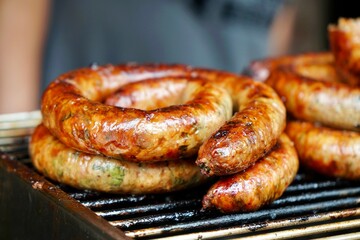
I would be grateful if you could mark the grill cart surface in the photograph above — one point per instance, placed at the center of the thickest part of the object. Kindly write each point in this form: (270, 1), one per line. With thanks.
(33, 207)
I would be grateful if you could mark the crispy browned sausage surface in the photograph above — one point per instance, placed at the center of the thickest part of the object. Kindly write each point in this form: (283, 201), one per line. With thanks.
(322, 88)
(258, 185)
(157, 93)
(332, 103)
(219, 155)
(73, 112)
(310, 85)
(249, 134)
(345, 45)
(311, 89)
(86, 171)
(330, 152)
(261, 69)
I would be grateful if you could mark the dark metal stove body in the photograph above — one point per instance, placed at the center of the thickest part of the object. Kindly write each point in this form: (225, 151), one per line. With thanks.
(33, 207)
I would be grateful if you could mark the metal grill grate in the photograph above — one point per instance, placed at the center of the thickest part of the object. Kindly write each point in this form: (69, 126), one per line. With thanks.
(308, 199)
(312, 207)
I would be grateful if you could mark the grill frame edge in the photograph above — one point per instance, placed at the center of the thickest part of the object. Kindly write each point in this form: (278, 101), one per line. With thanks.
(33, 208)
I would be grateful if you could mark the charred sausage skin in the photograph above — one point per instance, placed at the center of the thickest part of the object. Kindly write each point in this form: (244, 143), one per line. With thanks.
(95, 172)
(327, 151)
(91, 126)
(258, 185)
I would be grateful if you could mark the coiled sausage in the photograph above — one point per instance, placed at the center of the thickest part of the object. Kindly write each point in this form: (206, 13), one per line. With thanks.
(73, 112)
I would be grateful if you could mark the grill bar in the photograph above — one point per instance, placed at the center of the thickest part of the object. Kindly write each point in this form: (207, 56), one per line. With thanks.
(312, 230)
(315, 186)
(346, 236)
(318, 196)
(150, 208)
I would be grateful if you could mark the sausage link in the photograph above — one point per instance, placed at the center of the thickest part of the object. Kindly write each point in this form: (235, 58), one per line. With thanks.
(94, 172)
(261, 69)
(249, 134)
(330, 152)
(258, 185)
(344, 42)
(318, 101)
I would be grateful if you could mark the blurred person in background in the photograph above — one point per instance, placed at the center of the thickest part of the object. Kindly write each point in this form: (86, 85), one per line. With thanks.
(39, 40)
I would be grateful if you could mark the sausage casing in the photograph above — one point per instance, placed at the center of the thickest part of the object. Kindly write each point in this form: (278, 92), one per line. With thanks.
(312, 100)
(258, 185)
(249, 134)
(330, 152)
(73, 113)
(94, 127)
(95, 172)
(345, 45)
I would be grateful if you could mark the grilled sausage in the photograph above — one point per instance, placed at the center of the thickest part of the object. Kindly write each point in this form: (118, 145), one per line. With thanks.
(73, 113)
(236, 145)
(237, 135)
(344, 42)
(261, 69)
(333, 104)
(313, 89)
(86, 171)
(327, 151)
(249, 134)
(345, 53)
(167, 93)
(258, 185)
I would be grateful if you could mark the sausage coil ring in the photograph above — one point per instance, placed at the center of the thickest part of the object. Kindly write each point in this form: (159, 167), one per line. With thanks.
(73, 112)
(313, 93)
(314, 90)
(95, 172)
(133, 95)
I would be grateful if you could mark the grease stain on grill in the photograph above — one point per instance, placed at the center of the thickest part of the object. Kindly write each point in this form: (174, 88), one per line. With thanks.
(256, 227)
